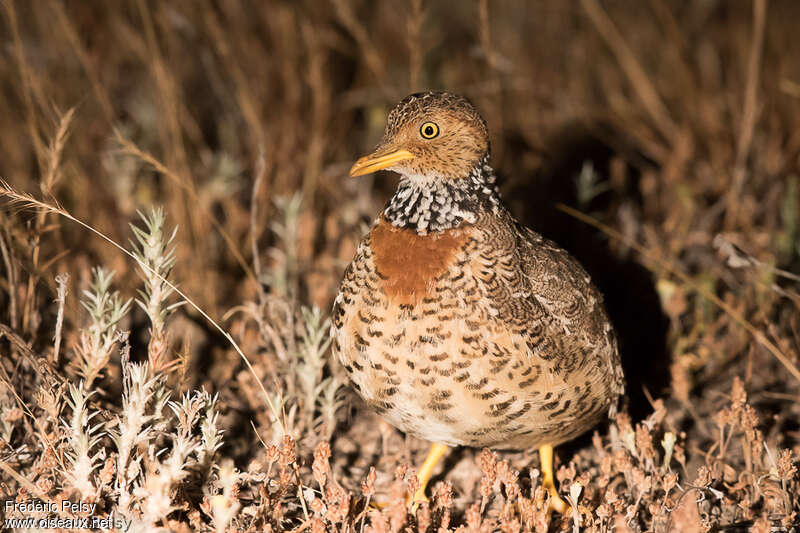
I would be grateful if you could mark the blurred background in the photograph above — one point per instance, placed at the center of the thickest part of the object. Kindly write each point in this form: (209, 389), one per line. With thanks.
(675, 124)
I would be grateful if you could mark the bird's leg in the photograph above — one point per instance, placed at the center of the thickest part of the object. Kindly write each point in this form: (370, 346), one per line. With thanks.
(546, 460)
(426, 471)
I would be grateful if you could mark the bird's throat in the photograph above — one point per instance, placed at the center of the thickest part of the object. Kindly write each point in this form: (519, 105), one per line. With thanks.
(428, 206)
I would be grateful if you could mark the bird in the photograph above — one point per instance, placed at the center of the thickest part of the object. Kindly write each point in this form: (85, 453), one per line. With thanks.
(458, 324)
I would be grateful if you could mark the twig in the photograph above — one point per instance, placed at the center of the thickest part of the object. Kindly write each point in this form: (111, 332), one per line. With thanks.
(40, 365)
(300, 490)
(320, 85)
(296, 473)
(749, 112)
(638, 78)
(12, 281)
(344, 12)
(261, 171)
(415, 49)
(85, 58)
(493, 86)
(249, 103)
(485, 33)
(31, 487)
(26, 75)
(302, 527)
(61, 280)
(5, 379)
(702, 291)
(255, 430)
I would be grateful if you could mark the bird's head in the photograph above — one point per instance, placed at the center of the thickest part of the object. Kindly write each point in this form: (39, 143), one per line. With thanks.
(429, 136)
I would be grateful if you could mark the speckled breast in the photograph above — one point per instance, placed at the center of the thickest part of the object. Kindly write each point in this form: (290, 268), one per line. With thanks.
(417, 331)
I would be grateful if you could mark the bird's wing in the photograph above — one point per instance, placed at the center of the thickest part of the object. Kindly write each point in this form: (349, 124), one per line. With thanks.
(545, 296)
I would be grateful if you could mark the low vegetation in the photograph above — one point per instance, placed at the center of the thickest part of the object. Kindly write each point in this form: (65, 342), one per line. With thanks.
(175, 216)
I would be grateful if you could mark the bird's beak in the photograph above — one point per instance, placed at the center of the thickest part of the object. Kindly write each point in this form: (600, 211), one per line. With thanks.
(378, 160)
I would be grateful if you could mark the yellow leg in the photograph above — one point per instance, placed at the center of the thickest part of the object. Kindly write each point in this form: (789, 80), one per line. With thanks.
(546, 460)
(426, 471)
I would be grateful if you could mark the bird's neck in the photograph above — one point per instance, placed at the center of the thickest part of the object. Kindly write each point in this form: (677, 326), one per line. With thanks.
(434, 205)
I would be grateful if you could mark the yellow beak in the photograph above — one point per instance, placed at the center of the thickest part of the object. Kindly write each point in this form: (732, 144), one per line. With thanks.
(376, 161)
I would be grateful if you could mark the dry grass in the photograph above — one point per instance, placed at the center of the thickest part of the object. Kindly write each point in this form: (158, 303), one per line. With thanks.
(672, 125)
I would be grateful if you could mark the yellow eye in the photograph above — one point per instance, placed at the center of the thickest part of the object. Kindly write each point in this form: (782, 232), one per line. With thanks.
(429, 130)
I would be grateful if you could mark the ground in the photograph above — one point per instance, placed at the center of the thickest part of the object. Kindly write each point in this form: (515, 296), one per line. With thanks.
(188, 385)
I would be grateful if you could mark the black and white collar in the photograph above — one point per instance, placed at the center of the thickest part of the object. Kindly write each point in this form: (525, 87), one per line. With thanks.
(429, 205)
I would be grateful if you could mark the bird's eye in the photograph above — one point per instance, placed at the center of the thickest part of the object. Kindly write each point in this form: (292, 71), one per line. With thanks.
(429, 130)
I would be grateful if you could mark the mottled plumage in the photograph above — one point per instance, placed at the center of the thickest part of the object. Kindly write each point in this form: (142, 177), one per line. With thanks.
(456, 323)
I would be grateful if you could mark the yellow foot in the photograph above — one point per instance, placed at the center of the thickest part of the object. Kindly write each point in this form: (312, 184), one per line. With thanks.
(378, 505)
(411, 503)
(424, 475)
(416, 498)
(555, 503)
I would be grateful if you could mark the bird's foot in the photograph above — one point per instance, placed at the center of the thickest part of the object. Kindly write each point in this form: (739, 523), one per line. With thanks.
(413, 500)
(378, 505)
(555, 502)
